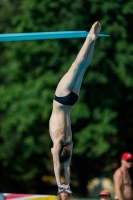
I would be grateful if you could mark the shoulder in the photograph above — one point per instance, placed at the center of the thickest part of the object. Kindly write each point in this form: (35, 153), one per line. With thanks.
(118, 173)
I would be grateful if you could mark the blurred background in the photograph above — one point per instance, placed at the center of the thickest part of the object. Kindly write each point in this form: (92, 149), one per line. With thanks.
(102, 120)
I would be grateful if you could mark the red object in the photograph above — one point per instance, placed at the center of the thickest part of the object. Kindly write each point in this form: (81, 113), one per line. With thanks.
(12, 196)
(104, 192)
(127, 156)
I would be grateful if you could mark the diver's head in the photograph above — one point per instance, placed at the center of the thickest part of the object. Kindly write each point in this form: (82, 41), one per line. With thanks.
(64, 196)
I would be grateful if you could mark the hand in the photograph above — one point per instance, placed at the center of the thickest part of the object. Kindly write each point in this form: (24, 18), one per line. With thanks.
(67, 186)
(63, 186)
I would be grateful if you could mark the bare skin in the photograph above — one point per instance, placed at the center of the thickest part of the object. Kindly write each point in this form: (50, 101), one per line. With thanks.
(60, 123)
(122, 182)
(64, 195)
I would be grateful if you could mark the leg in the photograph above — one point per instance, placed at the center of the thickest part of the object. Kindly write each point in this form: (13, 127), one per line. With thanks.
(79, 78)
(72, 80)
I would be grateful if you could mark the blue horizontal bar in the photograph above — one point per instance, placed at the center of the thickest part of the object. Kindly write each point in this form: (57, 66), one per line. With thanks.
(45, 35)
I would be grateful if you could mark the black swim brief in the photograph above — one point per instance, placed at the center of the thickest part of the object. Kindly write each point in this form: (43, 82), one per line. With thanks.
(68, 100)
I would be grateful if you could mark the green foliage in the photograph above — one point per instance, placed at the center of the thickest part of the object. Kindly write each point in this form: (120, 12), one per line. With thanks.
(30, 71)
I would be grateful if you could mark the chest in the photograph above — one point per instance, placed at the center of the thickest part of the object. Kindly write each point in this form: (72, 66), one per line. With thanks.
(126, 178)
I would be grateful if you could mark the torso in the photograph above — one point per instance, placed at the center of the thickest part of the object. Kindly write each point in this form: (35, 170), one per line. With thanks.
(126, 189)
(60, 124)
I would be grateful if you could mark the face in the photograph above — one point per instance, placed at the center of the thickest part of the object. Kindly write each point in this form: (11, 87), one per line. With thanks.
(128, 163)
(64, 195)
(104, 197)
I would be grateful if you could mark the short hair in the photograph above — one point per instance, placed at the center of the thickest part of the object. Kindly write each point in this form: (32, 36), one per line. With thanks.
(70, 197)
(65, 154)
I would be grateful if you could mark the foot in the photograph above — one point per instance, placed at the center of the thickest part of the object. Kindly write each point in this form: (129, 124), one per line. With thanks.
(94, 31)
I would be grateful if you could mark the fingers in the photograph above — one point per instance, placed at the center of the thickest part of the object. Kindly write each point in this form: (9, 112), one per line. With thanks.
(67, 186)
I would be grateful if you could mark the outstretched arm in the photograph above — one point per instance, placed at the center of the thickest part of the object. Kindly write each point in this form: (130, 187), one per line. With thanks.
(67, 167)
(56, 161)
